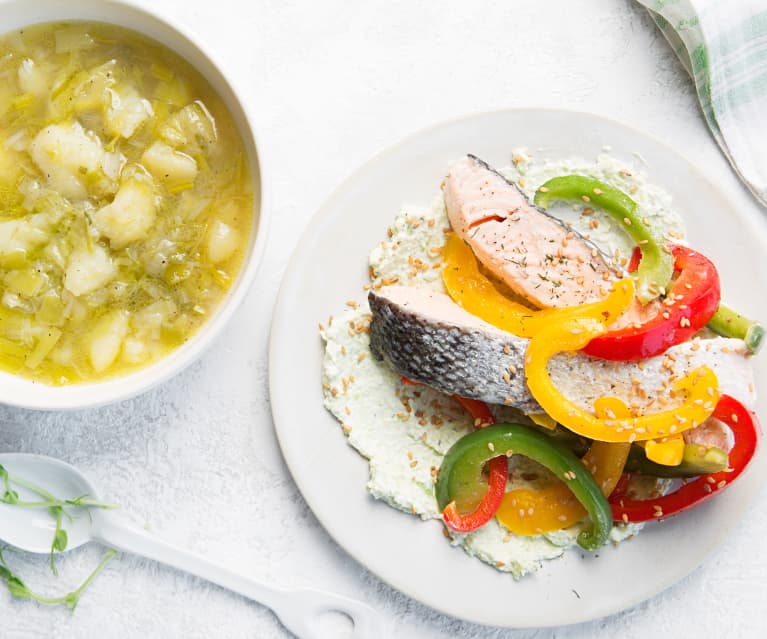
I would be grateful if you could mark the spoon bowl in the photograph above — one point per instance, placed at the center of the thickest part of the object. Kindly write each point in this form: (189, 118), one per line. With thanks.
(32, 529)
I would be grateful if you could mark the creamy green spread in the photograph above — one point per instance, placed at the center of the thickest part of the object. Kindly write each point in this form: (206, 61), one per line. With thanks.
(403, 430)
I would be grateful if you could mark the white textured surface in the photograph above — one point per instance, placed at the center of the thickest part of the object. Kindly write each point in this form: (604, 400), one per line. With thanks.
(330, 83)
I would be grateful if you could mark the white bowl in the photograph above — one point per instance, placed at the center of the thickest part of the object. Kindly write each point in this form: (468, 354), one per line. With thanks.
(21, 392)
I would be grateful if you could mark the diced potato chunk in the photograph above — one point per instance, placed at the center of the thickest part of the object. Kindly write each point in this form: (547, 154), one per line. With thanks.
(88, 270)
(126, 112)
(168, 165)
(130, 215)
(106, 339)
(18, 236)
(134, 350)
(66, 153)
(223, 241)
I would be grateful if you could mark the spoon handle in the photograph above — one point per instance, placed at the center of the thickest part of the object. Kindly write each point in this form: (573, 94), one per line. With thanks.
(299, 610)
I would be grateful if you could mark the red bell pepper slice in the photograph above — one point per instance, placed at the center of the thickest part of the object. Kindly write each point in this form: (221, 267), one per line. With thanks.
(746, 430)
(497, 471)
(496, 481)
(478, 410)
(636, 257)
(695, 294)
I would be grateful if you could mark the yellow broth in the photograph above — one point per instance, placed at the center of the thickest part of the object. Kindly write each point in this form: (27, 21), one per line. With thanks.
(125, 201)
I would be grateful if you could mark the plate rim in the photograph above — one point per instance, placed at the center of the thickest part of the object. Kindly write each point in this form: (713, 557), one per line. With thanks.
(324, 212)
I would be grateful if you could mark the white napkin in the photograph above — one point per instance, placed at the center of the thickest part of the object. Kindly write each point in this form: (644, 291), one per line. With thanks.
(723, 46)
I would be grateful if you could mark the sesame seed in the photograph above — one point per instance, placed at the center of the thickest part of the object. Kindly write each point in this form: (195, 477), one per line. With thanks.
(625, 518)
(585, 198)
(597, 191)
(491, 447)
(627, 221)
(544, 189)
(721, 484)
(352, 304)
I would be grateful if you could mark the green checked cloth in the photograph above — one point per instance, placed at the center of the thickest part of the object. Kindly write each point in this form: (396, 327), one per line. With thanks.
(723, 46)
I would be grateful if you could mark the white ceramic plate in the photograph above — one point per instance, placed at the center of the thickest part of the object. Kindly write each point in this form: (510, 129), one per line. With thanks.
(329, 267)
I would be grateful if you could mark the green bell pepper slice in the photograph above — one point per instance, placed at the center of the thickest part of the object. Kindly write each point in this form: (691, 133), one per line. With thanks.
(696, 460)
(657, 265)
(460, 477)
(729, 323)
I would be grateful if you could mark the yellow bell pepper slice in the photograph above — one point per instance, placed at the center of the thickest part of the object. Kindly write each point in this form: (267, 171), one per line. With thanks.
(473, 291)
(570, 329)
(668, 451)
(532, 512)
(469, 288)
(700, 387)
(543, 420)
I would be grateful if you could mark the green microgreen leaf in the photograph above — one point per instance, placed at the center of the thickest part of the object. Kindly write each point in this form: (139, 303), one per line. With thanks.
(19, 589)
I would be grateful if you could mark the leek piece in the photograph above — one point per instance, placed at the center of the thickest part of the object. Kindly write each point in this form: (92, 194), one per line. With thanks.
(44, 346)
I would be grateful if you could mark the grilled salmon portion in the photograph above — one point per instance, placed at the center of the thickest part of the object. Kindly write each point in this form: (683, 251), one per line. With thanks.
(535, 254)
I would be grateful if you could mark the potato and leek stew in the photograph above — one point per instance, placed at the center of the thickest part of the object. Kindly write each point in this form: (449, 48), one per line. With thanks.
(125, 201)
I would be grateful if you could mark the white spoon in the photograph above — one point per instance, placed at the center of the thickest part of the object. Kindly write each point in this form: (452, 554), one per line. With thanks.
(32, 529)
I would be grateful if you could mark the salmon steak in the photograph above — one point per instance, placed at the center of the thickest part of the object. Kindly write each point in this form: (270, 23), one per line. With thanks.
(536, 255)
(430, 339)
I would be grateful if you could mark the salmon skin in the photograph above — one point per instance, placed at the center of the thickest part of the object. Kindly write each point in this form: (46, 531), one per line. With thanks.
(430, 339)
(537, 255)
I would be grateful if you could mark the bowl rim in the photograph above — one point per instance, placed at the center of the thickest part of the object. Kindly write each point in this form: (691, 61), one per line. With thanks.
(123, 387)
